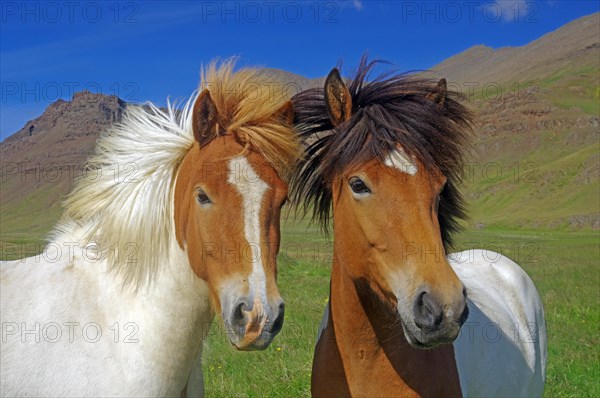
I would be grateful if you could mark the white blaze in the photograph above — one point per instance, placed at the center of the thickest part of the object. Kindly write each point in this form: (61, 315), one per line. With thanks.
(398, 159)
(251, 188)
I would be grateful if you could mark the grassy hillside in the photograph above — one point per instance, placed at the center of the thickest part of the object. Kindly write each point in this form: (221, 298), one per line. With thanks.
(536, 161)
(537, 108)
(572, 46)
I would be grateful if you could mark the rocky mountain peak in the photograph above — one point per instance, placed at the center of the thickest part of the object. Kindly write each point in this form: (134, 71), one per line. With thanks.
(86, 114)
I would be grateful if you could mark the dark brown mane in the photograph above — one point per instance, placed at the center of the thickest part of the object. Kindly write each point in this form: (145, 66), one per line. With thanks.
(391, 109)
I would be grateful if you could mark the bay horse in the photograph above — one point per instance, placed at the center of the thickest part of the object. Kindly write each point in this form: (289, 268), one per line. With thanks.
(177, 220)
(385, 156)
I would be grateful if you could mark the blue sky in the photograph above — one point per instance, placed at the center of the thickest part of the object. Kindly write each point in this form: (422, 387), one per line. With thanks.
(151, 50)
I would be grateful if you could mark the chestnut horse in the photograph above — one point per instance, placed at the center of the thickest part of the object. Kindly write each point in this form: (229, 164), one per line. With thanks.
(176, 220)
(386, 157)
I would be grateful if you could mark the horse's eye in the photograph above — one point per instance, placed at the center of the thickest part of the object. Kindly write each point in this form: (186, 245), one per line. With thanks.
(358, 186)
(203, 198)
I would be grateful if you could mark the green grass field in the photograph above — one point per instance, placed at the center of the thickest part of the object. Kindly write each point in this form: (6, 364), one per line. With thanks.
(564, 267)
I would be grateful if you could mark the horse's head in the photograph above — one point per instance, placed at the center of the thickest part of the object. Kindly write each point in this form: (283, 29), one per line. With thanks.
(388, 230)
(387, 202)
(228, 198)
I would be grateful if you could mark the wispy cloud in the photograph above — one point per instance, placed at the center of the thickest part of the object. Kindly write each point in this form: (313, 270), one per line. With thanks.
(511, 10)
(33, 60)
(358, 5)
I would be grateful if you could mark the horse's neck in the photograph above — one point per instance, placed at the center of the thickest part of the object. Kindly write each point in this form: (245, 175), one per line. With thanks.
(179, 311)
(177, 294)
(181, 298)
(171, 315)
(376, 358)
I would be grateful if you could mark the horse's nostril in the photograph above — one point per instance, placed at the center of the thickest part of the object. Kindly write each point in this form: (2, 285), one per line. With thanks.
(428, 312)
(238, 313)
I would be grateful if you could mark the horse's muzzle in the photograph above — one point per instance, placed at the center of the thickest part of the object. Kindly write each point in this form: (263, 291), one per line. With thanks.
(437, 322)
(252, 325)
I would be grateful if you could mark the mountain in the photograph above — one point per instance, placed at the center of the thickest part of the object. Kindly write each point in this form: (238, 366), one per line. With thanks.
(294, 83)
(572, 47)
(535, 164)
(41, 161)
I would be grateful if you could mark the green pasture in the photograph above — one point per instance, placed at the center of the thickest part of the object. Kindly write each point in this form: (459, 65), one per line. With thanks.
(564, 266)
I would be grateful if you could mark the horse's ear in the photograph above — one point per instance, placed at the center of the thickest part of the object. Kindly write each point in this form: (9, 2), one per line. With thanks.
(204, 118)
(286, 113)
(337, 97)
(439, 94)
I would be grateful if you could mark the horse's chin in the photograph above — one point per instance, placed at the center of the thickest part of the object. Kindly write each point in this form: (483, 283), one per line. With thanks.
(260, 343)
(413, 341)
(411, 333)
(432, 340)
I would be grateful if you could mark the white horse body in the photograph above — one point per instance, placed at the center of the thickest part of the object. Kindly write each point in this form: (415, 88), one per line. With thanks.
(501, 350)
(69, 328)
(76, 324)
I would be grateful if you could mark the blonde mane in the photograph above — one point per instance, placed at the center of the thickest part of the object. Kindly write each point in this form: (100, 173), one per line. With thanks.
(247, 103)
(124, 205)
